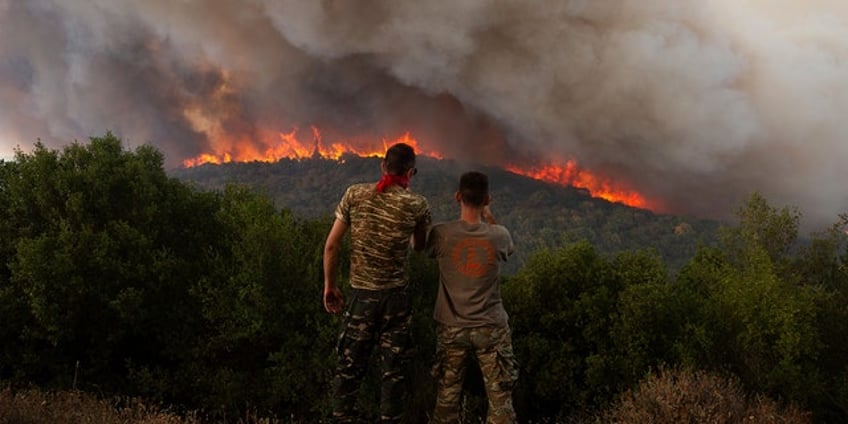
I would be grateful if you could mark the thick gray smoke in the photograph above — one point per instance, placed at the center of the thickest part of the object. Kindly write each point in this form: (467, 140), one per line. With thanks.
(695, 103)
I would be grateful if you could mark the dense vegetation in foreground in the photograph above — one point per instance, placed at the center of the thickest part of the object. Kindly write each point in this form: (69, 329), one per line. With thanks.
(117, 279)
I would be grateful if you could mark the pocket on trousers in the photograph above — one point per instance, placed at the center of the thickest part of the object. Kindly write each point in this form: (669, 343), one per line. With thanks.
(343, 340)
(507, 367)
(437, 370)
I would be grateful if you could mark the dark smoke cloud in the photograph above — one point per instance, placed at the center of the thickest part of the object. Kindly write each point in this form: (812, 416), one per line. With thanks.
(695, 103)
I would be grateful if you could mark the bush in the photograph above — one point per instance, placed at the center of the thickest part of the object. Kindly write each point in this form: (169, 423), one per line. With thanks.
(683, 396)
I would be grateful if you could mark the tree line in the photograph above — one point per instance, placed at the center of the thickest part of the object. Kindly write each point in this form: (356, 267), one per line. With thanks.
(116, 278)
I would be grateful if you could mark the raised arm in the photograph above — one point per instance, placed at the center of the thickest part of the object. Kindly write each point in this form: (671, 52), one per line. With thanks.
(488, 216)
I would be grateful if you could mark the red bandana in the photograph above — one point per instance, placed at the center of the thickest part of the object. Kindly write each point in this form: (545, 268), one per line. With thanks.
(388, 180)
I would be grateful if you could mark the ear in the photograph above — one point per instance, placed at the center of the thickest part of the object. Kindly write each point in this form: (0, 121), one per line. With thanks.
(488, 200)
(458, 197)
(383, 166)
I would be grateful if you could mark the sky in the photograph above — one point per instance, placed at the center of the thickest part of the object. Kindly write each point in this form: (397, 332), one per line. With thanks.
(696, 103)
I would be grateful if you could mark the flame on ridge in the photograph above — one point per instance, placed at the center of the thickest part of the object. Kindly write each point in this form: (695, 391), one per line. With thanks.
(571, 174)
(289, 146)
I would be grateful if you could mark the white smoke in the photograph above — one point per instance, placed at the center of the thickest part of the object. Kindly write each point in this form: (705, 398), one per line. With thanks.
(696, 103)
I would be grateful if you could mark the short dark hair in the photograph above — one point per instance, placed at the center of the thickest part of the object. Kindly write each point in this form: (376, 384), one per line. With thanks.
(399, 159)
(474, 188)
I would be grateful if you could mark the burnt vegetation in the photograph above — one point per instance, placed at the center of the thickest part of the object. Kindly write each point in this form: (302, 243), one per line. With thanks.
(198, 292)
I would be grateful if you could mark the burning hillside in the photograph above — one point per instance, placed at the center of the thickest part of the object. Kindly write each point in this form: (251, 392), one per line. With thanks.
(688, 109)
(289, 146)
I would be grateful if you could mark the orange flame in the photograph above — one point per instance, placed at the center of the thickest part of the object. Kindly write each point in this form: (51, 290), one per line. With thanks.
(571, 174)
(289, 146)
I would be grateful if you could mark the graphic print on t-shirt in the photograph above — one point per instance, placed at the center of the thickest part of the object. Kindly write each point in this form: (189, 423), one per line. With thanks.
(472, 257)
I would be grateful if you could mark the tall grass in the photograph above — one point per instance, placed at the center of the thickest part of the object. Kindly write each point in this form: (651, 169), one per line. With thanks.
(33, 406)
(670, 396)
(683, 396)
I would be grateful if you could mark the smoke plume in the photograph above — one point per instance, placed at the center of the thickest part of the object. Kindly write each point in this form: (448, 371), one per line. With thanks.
(695, 103)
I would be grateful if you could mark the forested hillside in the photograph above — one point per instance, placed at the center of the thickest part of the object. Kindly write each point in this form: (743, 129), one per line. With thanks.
(119, 279)
(539, 214)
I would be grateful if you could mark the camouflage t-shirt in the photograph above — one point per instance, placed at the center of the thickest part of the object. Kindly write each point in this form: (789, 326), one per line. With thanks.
(381, 225)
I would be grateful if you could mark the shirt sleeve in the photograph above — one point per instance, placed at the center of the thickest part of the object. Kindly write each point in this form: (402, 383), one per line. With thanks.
(508, 247)
(343, 209)
(426, 217)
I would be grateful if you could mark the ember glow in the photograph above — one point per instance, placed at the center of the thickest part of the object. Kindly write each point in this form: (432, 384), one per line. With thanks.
(691, 107)
(292, 146)
(571, 174)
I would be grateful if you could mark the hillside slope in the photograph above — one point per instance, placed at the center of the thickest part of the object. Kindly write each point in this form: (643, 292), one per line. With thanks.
(539, 214)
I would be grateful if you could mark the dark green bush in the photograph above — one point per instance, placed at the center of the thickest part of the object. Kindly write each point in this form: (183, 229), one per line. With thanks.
(118, 279)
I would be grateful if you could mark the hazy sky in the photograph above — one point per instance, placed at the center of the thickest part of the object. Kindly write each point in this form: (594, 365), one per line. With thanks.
(698, 103)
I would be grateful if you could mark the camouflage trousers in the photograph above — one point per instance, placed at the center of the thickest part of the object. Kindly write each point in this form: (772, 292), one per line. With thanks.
(492, 347)
(381, 318)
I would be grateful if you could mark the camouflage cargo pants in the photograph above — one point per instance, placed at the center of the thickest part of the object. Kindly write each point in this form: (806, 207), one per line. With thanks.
(381, 318)
(492, 346)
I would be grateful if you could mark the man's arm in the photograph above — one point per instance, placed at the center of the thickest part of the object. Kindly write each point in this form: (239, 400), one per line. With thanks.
(488, 216)
(432, 243)
(419, 236)
(333, 297)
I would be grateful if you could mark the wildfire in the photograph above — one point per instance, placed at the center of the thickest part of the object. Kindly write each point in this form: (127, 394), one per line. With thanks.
(290, 146)
(572, 174)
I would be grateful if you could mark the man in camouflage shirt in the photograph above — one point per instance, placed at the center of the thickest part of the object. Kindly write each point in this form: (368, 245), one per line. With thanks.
(383, 220)
(470, 315)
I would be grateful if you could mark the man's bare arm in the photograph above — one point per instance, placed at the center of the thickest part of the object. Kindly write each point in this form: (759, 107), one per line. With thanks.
(488, 216)
(333, 298)
(419, 237)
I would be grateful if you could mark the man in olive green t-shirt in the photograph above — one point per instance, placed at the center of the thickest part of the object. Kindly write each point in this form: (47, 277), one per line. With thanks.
(469, 311)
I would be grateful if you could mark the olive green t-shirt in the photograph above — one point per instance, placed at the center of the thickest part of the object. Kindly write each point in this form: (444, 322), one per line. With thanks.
(469, 258)
(381, 225)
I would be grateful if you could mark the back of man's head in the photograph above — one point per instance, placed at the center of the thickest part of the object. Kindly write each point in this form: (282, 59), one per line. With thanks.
(474, 188)
(399, 159)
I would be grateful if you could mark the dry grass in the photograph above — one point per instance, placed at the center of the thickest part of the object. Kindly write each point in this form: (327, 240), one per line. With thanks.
(34, 406)
(669, 397)
(679, 396)
(72, 407)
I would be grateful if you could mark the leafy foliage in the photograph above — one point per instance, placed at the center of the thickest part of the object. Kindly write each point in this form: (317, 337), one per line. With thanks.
(588, 326)
(765, 324)
(120, 279)
(119, 276)
(100, 235)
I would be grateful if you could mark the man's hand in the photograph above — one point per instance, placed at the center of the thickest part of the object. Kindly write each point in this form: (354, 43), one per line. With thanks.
(333, 300)
(487, 215)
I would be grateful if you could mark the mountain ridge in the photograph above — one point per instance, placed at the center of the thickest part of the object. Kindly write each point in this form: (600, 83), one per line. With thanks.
(539, 214)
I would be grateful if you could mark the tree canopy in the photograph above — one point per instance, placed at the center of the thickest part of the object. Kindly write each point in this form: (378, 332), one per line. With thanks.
(118, 278)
